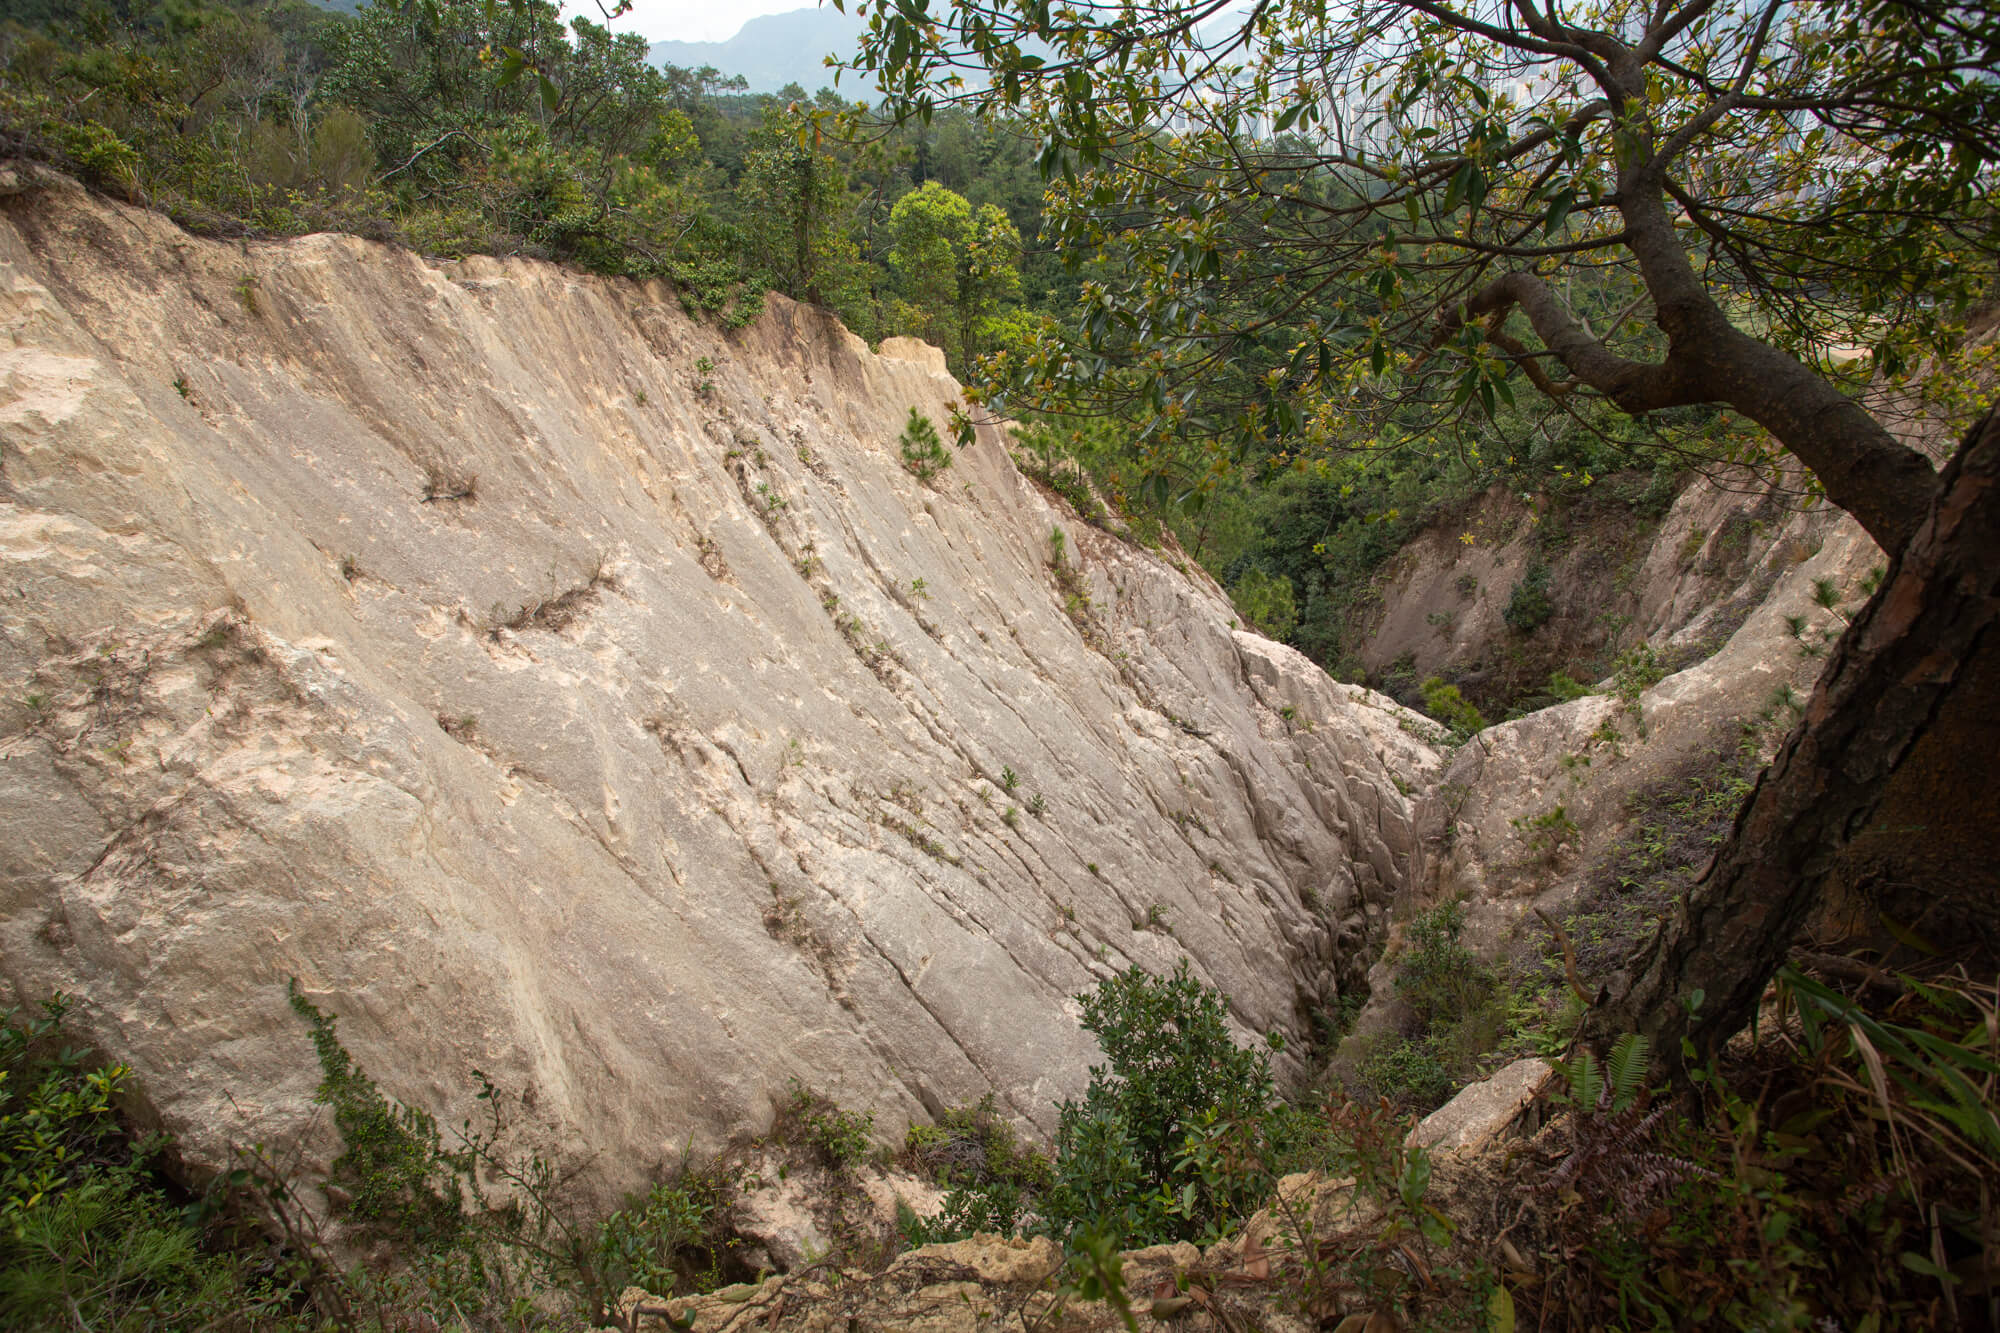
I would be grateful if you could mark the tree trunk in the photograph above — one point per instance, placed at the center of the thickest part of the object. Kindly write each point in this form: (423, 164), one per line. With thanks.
(1900, 706)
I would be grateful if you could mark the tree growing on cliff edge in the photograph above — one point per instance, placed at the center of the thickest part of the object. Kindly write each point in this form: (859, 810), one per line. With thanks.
(1661, 204)
(956, 268)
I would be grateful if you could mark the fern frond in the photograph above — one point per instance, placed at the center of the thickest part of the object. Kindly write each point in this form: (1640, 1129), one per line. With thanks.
(1585, 1078)
(1627, 1069)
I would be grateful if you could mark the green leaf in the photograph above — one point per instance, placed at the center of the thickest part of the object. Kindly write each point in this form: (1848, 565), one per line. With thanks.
(1500, 1311)
(1558, 211)
(1917, 1263)
(551, 95)
(1904, 935)
(1454, 190)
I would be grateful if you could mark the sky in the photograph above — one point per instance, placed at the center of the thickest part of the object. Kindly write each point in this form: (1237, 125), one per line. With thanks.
(693, 20)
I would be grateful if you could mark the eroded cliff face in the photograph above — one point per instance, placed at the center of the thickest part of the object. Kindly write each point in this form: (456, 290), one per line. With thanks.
(558, 687)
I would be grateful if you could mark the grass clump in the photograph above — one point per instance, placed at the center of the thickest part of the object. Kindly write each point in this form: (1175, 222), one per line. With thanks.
(992, 1179)
(839, 1138)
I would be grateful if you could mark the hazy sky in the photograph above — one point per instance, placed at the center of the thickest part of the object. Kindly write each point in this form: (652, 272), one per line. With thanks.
(693, 20)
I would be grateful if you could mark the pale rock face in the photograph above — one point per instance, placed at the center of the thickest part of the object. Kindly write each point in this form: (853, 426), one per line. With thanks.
(1490, 823)
(551, 702)
(1484, 1112)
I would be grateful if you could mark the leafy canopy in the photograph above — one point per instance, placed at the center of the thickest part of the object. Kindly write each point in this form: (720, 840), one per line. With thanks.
(1302, 221)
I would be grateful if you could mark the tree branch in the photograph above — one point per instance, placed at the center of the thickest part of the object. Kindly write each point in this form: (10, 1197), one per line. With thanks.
(1637, 387)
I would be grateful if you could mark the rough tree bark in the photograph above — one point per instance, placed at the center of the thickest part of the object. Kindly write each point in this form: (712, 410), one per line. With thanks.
(1905, 681)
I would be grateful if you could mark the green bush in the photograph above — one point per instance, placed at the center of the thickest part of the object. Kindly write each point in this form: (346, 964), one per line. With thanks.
(400, 1180)
(1266, 602)
(89, 1237)
(1440, 979)
(1456, 1009)
(1447, 705)
(1565, 688)
(671, 1239)
(1529, 605)
(924, 453)
(1171, 1070)
(100, 156)
(1411, 1074)
(840, 1138)
(994, 1180)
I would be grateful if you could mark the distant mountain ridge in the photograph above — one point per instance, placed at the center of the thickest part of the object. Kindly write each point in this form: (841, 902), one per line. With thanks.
(776, 49)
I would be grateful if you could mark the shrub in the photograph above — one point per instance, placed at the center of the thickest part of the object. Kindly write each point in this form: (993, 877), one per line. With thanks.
(1440, 979)
(1456, 1009)
(89, 1237)
(1266, 602)
(100, 156)
(394, 1168)
(924, 453)
(1565, 688)
(465, 1253)
(993, 1179)
(1410, 1074)
(1529, 605)
(839, 1137)
(1447, 705)
(1170, 1070)
(672, 1238)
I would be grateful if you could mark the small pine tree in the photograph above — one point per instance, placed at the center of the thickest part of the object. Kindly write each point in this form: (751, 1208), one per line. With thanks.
(924, 453)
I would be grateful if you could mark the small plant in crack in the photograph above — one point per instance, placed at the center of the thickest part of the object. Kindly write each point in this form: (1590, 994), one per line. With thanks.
(464, 727)
(918, 588)
(1012, 817)
(443, 483)
(1826, 596)
(182, 388)
(1009, 779)
(709, 552)
(1038, 806)
(558, 610)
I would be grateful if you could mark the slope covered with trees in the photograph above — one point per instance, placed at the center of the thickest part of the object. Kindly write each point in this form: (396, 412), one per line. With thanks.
(465, 127)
